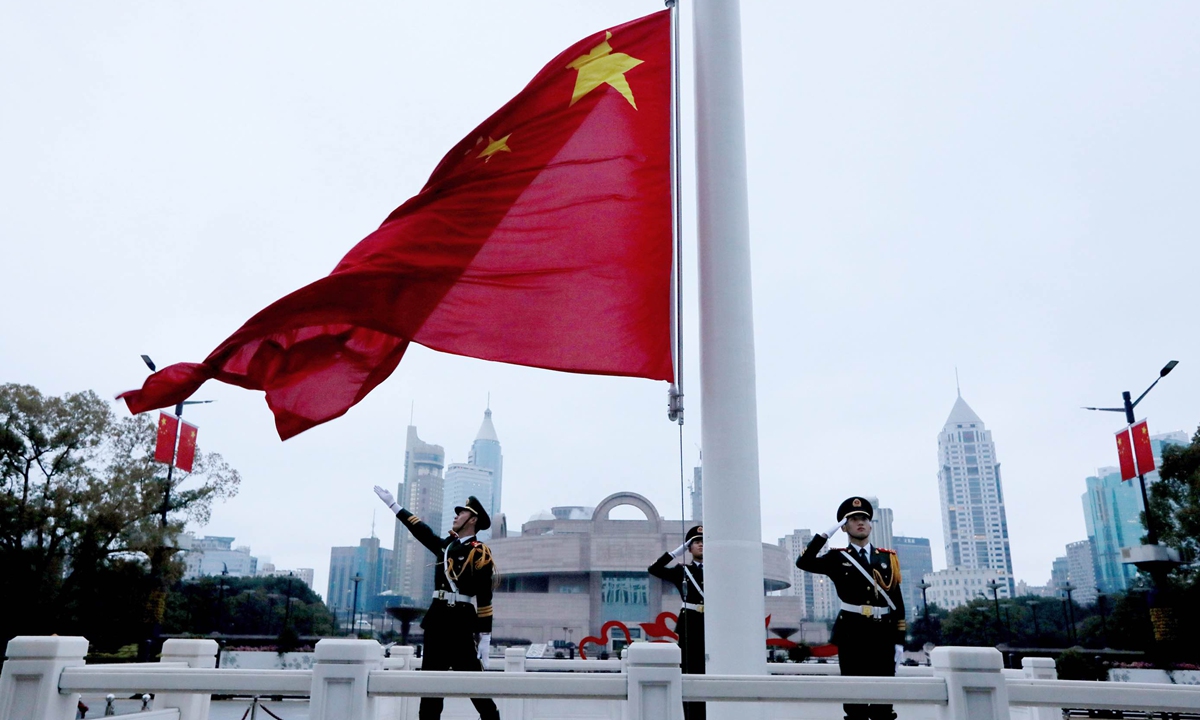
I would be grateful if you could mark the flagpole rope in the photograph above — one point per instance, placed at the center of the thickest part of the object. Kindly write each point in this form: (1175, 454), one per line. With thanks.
(675, 400)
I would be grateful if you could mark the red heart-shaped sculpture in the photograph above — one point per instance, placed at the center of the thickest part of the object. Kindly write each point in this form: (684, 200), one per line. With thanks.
(603, 639)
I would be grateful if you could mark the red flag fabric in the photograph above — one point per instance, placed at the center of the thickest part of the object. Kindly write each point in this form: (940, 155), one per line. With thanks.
(1125, 455)
(187, 446)
(164, 444)
(543, 238)
(1142, 452)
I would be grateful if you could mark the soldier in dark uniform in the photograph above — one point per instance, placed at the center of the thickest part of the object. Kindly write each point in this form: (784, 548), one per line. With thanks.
(869, 630)
(689, 580)
(458, 633)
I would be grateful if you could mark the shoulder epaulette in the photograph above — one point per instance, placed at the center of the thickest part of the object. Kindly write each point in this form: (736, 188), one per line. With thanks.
(885, 550)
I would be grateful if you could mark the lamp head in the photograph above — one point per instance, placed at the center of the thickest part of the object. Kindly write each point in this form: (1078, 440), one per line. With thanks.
(1161, 373)
(150, 364)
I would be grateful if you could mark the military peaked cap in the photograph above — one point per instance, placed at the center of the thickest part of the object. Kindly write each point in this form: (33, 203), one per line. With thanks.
(696, 533)
(855, 506)
(474, 507)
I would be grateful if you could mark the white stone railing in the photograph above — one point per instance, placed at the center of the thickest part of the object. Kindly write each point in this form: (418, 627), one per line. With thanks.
(351, 680)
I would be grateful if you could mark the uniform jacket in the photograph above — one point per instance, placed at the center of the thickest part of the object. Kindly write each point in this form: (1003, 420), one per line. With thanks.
(469, 564)
(689, 592)
(854, 589)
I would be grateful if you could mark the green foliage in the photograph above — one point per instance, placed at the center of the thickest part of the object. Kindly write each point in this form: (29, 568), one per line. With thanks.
(1076, 665)
(246, 606)
(80, 496)
(1175, 501)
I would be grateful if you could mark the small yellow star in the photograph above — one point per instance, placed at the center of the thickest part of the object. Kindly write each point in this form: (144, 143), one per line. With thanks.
(602, 66)
(495, 146)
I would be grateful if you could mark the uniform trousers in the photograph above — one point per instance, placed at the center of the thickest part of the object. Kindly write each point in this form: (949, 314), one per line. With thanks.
(453, 648)
(691, 650)
(866, 648)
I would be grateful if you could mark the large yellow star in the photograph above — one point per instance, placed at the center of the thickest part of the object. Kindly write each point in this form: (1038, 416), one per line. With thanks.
(602, 66)
(495, 146)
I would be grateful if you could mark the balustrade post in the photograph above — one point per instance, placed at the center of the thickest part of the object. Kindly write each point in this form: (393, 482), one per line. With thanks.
(655, 682)
(29, 681)
(398, 708)
(339, 679)
(1039, 668)
(974, 682)
(197, 654)
(514, 662)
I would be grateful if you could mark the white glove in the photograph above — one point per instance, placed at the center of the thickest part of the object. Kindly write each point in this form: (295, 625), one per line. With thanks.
(678, 552)
(388, 499)
(485, 644)
(831, 531)
(899, 655)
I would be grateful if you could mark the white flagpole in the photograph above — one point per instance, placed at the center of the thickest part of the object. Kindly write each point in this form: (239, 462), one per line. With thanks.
(735, 637)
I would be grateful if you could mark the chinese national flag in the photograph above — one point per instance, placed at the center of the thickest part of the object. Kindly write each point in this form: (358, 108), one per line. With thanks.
(187, 447)
(164, 445)
(1141, 447)
(543, 238)
(1125, 455)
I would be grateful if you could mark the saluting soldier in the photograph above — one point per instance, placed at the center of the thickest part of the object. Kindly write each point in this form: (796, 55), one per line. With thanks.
(869, 630)
(688, 578)
(458, 633)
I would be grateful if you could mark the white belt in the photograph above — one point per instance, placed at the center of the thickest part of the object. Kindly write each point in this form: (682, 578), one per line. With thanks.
(698, 607)
(451, 597)
(866, 610)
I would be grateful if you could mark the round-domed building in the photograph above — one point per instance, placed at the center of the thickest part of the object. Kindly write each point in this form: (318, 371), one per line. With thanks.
(573, 569)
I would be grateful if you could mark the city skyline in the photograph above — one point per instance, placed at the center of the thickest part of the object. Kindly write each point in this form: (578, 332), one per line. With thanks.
(954, 187)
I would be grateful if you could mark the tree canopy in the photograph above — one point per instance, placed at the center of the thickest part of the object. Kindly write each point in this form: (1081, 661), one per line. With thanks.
(80, 496)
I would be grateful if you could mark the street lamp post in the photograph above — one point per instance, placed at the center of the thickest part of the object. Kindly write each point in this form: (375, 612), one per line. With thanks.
(995, 588)
(354, 607)
(1101, 605)
(1033, 606)
(924, 600)
(1069, 610)
(287, 615)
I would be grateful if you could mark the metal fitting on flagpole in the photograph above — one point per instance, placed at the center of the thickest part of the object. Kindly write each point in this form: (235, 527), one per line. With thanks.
(674, 404)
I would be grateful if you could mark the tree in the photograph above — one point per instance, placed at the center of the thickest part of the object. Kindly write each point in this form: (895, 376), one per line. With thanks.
(80, 495)
(1175, 501)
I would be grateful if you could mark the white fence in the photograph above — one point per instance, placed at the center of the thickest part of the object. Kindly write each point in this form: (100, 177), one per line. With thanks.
(351, 680)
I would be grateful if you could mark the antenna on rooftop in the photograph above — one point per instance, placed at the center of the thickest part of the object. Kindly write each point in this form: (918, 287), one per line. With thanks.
(956, 385)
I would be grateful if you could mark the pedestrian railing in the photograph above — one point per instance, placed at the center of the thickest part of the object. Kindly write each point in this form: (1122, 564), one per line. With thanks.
(352, 680)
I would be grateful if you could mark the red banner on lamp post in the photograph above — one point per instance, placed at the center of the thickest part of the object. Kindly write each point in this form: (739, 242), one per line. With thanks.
(1125, 455)
(187, 447)
(164, 446)
(1142, 451)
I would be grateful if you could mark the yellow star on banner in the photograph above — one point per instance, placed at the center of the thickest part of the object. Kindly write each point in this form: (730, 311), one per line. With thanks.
(602, 66)
(495, 146)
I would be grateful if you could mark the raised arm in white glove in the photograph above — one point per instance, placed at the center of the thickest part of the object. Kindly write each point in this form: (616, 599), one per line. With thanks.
(678, 552)
(830, 532)
(485, 644)
(388, 499)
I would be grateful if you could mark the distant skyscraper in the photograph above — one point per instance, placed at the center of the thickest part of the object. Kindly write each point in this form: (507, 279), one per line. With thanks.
(881, 525)
(463, 481)
(1081, 571)
(802, 583)
(958, 586)
(421, 492)
(916, 561)
(1112, 512)
(485, 453)
(369, 561)
(697, 495)
(973, 521)
(1060, 573)
(215, 555)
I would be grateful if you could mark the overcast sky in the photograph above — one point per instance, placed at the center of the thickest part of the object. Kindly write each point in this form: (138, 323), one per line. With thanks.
(1010, 190)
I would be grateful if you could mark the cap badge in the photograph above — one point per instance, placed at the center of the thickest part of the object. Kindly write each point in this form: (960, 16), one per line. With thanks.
(857, 503)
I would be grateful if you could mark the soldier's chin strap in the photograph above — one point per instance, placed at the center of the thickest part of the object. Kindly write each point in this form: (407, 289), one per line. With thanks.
(867, 575)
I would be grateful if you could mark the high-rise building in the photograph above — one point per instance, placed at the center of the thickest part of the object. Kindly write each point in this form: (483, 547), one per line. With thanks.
(916, 561)
(462, 481)
(1112, 512)
(793, 545)
(1060, 573)
(485, 453)
(881, 525)
(420, 492)
(973, 520)
(215, 555)
(958, 586)
(1081, 571)
(368, 561)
